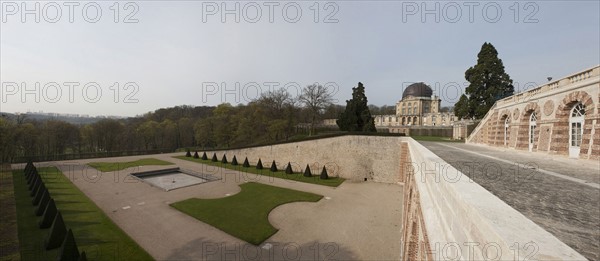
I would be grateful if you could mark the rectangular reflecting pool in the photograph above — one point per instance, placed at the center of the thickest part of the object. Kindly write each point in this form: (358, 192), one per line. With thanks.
(173, 178)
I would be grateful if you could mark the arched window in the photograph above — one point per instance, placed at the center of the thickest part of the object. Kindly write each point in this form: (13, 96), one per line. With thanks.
(532, 126)
(576, 129)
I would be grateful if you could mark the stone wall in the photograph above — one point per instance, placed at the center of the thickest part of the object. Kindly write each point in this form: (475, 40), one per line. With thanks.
(552, 104)
(460, 220)
(351, 157)
(415, 244)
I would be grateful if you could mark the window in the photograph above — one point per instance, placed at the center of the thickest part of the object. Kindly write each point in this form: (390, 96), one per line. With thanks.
(576, 125)
(532, 126)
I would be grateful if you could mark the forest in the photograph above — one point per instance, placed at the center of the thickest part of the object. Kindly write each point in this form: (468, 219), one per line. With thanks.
(274, 116)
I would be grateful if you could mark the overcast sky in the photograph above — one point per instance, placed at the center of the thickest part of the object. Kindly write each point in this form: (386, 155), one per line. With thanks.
(172, 52)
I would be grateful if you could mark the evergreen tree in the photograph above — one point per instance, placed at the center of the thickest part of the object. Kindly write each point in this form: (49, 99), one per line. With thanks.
(204, 157)
(461, 108)
(234, 161)
(288, 169)
(246, 164)
(307, 172)
(324, 173)
(356, 116)
(273, 167)
(488, 82)
(259, 164)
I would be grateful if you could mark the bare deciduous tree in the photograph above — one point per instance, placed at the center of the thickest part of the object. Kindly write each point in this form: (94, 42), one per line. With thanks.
(315, 98)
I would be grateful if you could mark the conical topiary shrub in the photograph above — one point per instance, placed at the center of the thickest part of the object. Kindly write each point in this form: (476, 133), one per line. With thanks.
(224, 159)
(234, 161)
(34, 181)
(188, 153)
(259, 164)
(214, 158)
(288, 169)
(246, 164)
(38, 196)
(307, 171)
(273, 167)
(33, 176)
(49, 215)
(37, 187)
(204, 157)
(57, 233)
(43, 204)
(324, 173)
(196, 155)
(68, 250)
(28, 166)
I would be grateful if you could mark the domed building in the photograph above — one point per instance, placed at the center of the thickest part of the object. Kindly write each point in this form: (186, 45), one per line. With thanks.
(419, 106)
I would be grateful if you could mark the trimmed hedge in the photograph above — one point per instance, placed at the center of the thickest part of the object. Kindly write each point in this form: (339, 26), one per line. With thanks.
(288, 169)
(273, 167)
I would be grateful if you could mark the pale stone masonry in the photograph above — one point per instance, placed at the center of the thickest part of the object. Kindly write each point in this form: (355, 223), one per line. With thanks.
(561, 117)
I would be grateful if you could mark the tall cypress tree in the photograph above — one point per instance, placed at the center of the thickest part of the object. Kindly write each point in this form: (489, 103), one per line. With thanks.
(356, 116)
(488, 82)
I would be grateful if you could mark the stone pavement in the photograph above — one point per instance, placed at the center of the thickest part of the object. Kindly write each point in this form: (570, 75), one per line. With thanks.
(561, 195)
(355, 220)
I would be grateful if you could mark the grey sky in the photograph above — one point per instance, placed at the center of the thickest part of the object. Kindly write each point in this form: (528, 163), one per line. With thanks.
(171, 53)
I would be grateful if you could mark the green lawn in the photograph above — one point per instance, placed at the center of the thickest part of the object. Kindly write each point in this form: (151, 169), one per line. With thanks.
(435, 138)
(113, 166)
(332, 181)
(94, 231)
(244, 215)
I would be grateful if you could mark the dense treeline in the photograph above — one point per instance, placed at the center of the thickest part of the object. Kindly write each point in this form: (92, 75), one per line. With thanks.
(275, 116)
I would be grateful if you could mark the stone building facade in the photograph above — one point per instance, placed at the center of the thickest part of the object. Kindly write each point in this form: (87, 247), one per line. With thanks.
(560, 117)
(418, 107)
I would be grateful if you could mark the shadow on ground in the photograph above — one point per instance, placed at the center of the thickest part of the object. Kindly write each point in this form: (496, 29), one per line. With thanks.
(205, 249)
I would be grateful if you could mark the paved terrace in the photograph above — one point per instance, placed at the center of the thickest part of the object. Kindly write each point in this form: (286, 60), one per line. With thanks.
(559, 194)
(358, 220)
